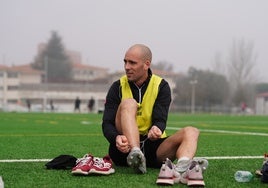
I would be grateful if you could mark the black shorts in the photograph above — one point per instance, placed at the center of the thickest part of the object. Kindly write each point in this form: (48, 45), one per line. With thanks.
(148, 148)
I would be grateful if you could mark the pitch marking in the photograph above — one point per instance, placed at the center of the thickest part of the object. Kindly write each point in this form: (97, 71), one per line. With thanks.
(223, 131)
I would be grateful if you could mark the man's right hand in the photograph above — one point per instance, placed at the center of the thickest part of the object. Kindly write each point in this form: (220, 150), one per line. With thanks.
(122, 143)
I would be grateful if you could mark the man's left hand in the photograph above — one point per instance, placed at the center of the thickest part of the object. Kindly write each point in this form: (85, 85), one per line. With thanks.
(154, 133)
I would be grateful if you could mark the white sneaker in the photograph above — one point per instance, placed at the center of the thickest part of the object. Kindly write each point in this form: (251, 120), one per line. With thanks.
(192, 171)
(193, 176)
(167, 174)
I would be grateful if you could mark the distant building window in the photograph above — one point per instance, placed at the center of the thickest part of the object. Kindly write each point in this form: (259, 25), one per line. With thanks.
(12, 101)
(12, 75)
(12, 88)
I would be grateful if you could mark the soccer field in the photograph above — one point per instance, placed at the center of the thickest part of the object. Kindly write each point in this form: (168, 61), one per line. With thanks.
(29, 140)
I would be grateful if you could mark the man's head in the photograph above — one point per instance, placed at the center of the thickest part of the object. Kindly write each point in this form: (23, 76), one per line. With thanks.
(137, 62)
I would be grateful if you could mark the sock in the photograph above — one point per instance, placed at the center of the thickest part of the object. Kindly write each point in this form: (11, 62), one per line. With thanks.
(135, 148)
(183, 164)
(183, 159)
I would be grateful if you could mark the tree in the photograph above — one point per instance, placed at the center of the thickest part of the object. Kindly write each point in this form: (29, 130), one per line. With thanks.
(162, 65)
(218, 65)
(241, 71)
(54, 61)
(210, 88)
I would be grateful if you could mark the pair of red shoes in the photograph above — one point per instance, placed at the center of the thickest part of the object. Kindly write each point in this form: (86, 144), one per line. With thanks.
(93, 165)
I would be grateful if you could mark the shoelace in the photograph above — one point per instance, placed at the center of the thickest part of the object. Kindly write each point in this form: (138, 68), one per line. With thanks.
(142, 143)
(99, 162)
(83, 161)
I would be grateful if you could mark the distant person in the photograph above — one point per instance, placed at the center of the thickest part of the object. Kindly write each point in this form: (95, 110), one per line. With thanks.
(28, 102)
(90, 105)
(243, 107)
(77, 105)
(51, 105)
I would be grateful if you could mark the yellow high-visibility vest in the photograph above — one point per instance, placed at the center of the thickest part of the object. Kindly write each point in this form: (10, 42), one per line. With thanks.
(145, 108)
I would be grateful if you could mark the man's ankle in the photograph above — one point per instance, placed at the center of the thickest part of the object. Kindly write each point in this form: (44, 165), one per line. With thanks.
(135, 148)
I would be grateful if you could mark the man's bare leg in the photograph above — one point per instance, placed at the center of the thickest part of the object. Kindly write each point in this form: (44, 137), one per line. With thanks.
(127, 126)
(126, 122)
(181, 144)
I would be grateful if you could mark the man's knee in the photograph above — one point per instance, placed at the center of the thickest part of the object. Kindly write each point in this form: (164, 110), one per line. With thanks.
(128, 104)
(191, 132)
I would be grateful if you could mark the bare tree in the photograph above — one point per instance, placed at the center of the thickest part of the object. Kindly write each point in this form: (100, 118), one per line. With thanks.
(241, 71)
(218, 65)
(211, 89)
(163, 65)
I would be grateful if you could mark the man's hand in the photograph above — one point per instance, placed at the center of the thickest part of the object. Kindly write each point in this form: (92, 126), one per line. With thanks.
(122, 144)
(154, 133)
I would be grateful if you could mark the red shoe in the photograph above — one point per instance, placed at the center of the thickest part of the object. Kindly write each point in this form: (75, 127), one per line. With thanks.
(102, 166)
(83, 165)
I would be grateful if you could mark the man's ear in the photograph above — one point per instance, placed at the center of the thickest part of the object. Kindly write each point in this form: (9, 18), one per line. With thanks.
(147, 64)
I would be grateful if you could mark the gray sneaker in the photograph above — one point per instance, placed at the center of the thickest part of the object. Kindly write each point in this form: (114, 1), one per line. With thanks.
(203, 163)
(182, 166)
(136, 160)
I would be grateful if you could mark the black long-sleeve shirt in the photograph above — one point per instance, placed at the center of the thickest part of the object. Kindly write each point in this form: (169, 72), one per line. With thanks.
(113, 99)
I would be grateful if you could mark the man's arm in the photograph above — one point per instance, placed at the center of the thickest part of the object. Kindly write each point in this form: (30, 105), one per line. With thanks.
(111, 105)
(161, 106)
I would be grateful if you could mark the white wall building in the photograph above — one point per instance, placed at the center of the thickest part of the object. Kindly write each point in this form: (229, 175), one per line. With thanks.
(262, 104)
(19, 84)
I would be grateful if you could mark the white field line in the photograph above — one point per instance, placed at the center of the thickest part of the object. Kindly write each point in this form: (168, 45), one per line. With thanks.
(23, 160)
(234, 157)
(209, 158)
(223, 131)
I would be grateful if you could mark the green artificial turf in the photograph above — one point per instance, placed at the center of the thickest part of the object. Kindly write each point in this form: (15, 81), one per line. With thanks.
(47, 135)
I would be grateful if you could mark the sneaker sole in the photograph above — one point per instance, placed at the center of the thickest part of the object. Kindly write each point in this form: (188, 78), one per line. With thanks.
(165, 181)
(134, 161)
(203, 163)
(79, 172)
(196, 183)
(110, 171)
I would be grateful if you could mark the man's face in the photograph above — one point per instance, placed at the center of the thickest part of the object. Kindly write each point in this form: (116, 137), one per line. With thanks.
(136, 67)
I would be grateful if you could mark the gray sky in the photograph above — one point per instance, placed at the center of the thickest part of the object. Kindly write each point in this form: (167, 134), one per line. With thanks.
(182, 32)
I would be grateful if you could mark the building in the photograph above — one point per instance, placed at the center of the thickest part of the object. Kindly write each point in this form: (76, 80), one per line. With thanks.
(85, 73)
(262, 104)
(11, 80)
(22, 85)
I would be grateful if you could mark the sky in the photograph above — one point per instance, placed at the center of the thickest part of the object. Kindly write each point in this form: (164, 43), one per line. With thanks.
(183, 33)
